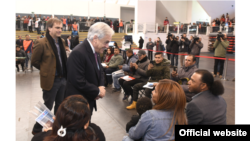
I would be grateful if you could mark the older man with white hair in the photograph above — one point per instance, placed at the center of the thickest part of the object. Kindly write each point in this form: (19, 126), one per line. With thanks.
(85, 73)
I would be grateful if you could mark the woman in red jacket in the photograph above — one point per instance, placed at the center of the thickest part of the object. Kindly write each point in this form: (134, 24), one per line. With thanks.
(108, 55)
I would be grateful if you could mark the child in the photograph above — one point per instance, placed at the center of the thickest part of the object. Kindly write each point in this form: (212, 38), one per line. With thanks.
(20, 53)
(142, 105)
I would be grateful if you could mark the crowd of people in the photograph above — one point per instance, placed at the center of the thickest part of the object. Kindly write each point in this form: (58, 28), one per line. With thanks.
(77, 80)
(39, 23)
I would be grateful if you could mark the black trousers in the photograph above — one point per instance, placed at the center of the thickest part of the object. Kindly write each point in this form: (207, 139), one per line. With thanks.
(19, 62)
(56, 94)
(139, 86)
(169, 55)
(150, 55)
(127, 85)
(221, 66)
(30, 29)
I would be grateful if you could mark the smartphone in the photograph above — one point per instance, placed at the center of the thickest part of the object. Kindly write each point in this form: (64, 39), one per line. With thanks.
(152, 62)
(175, 68)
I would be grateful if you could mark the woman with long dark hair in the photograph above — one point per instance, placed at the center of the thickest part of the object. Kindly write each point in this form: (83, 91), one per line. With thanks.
(108, 55)
(159, 123)
(72, 123)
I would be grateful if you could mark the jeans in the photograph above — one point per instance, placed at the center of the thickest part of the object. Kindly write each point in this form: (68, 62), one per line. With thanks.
(127, 138)
(27, 60)
(150, 55)
(64, 27)
(115, 78)
(197, 62)
(218, 64)
(55, 94)
(176, 60)
(121, 29)
(108, 73)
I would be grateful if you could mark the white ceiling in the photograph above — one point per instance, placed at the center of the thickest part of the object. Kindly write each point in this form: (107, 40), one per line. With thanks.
(121, 2)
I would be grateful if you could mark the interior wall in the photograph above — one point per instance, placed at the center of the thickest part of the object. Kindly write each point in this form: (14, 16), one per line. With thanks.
(127, 14)
(199, 14)
(75, 7)
(216, 9)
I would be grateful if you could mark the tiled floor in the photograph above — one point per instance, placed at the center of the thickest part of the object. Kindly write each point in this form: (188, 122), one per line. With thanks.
(111, 115)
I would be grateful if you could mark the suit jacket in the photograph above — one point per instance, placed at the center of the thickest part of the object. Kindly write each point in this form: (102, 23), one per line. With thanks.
(207, 109)
(44, 59)
(84, 78)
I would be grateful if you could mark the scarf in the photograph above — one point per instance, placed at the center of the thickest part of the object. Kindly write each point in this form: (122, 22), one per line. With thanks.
(143, 60)
(63, 55)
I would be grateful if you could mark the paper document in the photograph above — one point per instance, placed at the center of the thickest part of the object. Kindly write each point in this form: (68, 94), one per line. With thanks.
(128, 78)
(149, 85)
(104, 65)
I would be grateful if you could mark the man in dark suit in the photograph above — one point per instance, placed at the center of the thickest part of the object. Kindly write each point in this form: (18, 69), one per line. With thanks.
(206, 107)
(85, 72)
(19, 42)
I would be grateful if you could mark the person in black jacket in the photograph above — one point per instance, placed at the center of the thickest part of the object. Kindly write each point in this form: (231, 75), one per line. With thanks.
(20, 53)
(168, 41)
(184, 46)
(85, 72)
(174, 49)
(73, 116)
(142, 105)
(19, 42)
(141, 41)
(75, 42)
(116, 25)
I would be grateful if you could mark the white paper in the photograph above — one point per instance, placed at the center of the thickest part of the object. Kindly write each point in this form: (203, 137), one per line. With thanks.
(126, 78)
(118, 72)
(104, 65)
(149, 85)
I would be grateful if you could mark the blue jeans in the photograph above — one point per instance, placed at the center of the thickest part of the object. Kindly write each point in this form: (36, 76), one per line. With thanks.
(115, 78)
(176, 60)
(127, 138)
(27, 60)
(121, 29)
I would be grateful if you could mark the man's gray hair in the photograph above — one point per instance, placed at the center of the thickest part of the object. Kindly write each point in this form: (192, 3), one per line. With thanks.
(99, 29)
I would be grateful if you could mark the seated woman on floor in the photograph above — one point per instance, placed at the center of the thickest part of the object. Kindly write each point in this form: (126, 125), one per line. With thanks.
(159, 123)
(72, 123)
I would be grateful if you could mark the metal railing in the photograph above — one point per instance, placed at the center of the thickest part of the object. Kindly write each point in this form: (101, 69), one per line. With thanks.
(173, 28)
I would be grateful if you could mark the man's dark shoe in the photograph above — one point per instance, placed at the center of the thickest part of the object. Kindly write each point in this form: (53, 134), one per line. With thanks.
(116, 90)
(125, 98)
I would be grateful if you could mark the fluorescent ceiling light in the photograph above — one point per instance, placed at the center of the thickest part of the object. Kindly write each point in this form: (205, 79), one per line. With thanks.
(132, 2)
(124, 2)
(111, 1)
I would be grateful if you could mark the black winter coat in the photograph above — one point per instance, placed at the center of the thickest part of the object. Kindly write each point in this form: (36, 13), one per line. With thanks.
(174, 46)
(184, 46)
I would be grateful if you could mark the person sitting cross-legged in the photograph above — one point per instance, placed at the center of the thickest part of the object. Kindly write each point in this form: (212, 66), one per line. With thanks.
(112, 66)
(138, 70)
(125, 69)
(159, 69)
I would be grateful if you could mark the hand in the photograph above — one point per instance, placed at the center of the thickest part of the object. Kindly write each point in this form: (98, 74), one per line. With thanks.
(47, 129)
(174, 73)
(120, 67)
(107, 67)
(135, 65)
(131, 65)
(155, 84)
(102, 92)
(182, 40)
(150, 66)
(197, 42)
(221, 39)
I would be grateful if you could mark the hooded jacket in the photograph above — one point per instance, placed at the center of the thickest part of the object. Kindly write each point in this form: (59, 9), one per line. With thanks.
(140, 72)
(159, 71)
(196, 48)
